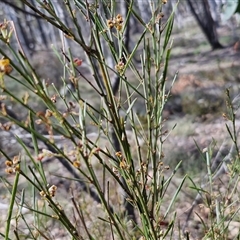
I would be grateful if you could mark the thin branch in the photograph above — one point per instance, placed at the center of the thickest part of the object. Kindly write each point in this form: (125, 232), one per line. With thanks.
(222, 170)
(20, 9)
(66, 164)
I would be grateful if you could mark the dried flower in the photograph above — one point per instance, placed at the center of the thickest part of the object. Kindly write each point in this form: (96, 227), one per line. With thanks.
(52, 190)
(159, 17)
(54, 98)
(117, 22)
(43, 154)
(42, 194)
(120, 66)
(40, 157)
(119, 19)
(72, 105)
(6, 126)
(8, 163)
(3, 25)
(16, 160)
(13, 166)
(77, 62)
(39, 121)
(97, 150)
(48, 113)
(123, 165)
(17, 168)
(3, 108)
(6, 32)
(3, 97)
(9, 170)
(47, 153)
(110, 24)
(225, 116)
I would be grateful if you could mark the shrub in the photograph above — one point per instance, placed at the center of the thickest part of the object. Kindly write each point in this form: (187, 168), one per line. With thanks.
(118, 184)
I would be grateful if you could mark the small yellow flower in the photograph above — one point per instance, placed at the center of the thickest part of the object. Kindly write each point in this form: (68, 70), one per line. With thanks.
(76, 164)
(42, 194)
(13, 165)
(117, 22)
(119, 27)
(110, 23)
(5, 67)
(118, 154)
(119, 19)
(123, 165)
(17, 168)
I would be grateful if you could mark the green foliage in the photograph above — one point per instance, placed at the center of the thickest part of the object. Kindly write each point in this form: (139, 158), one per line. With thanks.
(229, 9)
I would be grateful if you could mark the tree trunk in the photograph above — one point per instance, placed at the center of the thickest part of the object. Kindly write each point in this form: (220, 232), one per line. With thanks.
(201, 11)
